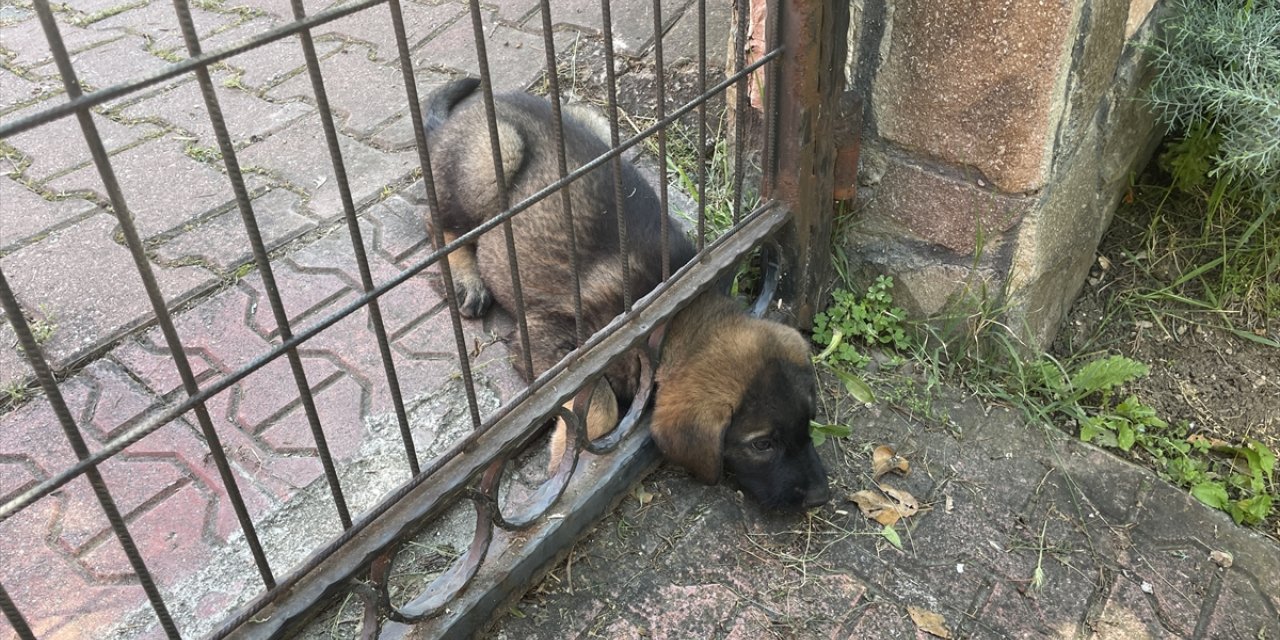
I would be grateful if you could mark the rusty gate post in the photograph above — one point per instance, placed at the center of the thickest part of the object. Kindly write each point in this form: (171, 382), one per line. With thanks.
(801, 156)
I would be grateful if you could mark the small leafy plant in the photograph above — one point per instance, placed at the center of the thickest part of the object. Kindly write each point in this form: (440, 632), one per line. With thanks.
(1239, 480)
(871, 320)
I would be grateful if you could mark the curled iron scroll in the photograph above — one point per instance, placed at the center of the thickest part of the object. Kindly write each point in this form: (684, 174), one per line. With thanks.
(532, 509)
(441, 591)
(649, 354)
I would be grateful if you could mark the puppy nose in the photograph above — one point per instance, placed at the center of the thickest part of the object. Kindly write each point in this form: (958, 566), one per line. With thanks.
(817, 495)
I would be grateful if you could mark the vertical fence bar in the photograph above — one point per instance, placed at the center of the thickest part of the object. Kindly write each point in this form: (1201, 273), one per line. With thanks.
(264, 266)
(348, 208)
(14, 616)
(615, 163)
(35, 358)
(433, 203)
(566, 203)
(504, 198)
(740, 108)
(701, 155)
(362, 259)
(804, 160)
(661, 86)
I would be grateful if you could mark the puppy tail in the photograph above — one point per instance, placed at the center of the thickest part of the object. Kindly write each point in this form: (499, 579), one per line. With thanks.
(444, 99)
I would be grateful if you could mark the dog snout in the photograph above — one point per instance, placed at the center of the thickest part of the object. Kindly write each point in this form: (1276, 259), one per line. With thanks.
(818, 494)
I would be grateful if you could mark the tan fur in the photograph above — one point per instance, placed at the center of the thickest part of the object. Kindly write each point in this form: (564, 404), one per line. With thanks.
(602, 417)
(713, 351)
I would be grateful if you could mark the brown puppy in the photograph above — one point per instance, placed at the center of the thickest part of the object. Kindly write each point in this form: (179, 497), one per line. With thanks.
(735, 393)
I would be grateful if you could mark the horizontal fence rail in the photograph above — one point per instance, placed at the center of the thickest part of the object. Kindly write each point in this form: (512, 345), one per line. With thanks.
(470, 468)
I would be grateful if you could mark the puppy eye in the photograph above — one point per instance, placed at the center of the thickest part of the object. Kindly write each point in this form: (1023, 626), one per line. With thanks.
(762, 444)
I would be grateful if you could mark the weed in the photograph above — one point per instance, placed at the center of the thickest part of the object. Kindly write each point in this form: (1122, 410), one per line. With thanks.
(14, 393)
(871, 320)
(207, 155)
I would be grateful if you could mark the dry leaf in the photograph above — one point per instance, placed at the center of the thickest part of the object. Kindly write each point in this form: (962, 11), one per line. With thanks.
(884, 459)
(929, 622)
(644, 497)
(888, 507)
(1222, 558)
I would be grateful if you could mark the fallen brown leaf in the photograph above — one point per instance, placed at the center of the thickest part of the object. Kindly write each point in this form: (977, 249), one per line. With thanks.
(884, 459)
(929, 622)
(888, 507)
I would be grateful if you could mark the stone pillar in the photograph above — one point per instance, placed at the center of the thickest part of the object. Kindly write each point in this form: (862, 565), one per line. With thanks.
(998, 137)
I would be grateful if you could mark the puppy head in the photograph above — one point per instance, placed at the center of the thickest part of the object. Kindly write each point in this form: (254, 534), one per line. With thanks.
(744, 407)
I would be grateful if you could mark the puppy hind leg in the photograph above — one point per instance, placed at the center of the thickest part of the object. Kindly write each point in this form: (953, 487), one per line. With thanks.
(474, 298)
(602, 417)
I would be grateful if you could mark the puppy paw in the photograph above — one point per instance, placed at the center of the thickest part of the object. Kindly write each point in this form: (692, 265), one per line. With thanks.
(474, 298)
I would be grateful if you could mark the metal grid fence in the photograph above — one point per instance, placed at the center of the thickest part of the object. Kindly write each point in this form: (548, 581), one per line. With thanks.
(471, 468)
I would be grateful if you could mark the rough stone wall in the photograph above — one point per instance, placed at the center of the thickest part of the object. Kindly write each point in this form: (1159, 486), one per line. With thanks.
(998, 138)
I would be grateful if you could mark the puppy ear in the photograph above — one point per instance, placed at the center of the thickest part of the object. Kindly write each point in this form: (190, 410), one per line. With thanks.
(692, 434)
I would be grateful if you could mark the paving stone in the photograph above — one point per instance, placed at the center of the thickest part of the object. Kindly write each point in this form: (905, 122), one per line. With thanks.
(222, 241)
(353, 346)
(246, 116)
(281, 8)
(402, 305)
(116, 401)
(163, 187)
(153, 366)
(90, 7)
(168, 538)
(182, 443)
(92, 304)
(32, 434)
(362, 93)
(26, 214)
(26, 40)
(1243, 609)
(59, 146)
(132, 483)
(16, 90)
(430, 338)
(266, 64)
(632, 21)
(373, 25)
(680, 42)
(516, 58)
(112, 63)
(159, 21)
(40, 583)
(304, 293)
(340, 409)
(299, 154)
(397, 133)
(400, 230)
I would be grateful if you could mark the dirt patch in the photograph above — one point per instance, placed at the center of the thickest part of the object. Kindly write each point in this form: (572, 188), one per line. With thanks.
(1215, 382)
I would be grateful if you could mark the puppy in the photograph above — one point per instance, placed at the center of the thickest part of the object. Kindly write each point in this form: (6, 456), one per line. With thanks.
(735, 393)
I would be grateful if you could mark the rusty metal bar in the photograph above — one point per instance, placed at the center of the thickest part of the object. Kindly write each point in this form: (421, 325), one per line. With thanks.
(803, 161)
(615, 164)
(431, 492)
(273, 294)
(566, 202)
(499, 177)
(663, 187)
(433, 205)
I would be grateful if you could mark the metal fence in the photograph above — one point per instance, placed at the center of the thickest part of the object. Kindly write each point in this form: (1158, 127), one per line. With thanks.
(801, 82)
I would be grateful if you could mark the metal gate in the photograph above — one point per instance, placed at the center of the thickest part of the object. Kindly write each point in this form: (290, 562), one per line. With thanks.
(511, 543)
